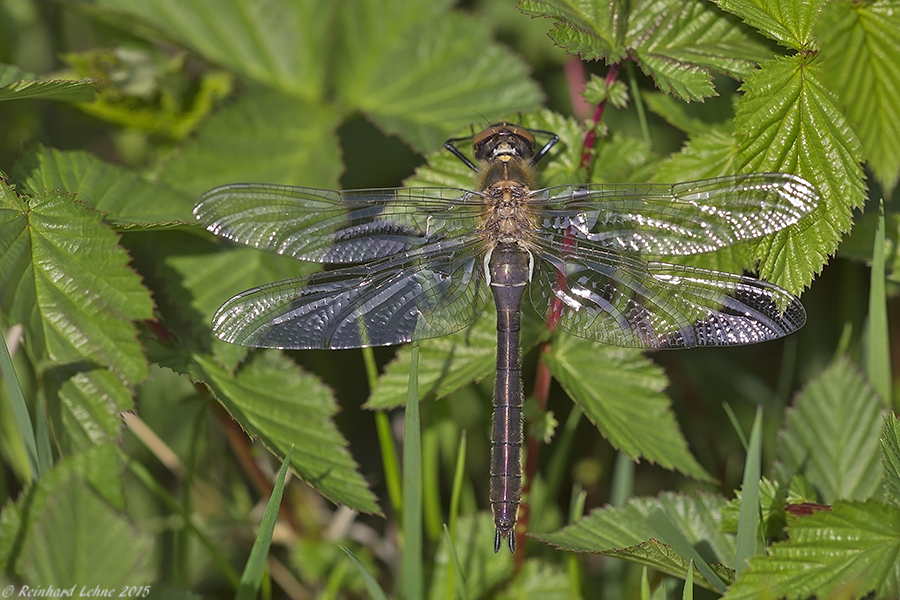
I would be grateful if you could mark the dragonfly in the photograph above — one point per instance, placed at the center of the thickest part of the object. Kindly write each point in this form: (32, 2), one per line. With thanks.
(422, 262)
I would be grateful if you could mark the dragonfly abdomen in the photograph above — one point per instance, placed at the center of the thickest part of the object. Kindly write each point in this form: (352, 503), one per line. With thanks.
(509, 269)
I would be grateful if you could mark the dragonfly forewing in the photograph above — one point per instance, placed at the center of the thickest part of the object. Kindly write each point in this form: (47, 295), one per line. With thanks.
(680, 219)
(336, 227)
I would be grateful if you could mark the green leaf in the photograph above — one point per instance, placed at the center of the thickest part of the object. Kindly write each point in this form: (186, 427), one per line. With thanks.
(123, 197)
(273, 400)
(627, 533)
(421, 72)
(693, 119)
(831, 434)
(787, 121)
(18, 85)
(263, 137)
(86, 405)
(594, 30)
(412, 582)
(673, 537)
(852, 548)
(772, 501)
(890, 456)
(620, 391)
(96, 469)
(708, 154)
(788, 22)
(76, 539)
(678, 42)
(673, 41)
(277, 43)
(860, 45)
(70, 284)
(623, 159)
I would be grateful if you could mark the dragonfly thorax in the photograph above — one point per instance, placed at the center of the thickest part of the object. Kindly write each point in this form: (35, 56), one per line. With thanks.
(507, 216)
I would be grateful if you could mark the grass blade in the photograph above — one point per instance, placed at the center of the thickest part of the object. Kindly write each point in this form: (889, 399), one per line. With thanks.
(748, 516)
(411, 581)
(251, 578)
(688, 593)
(877, 348)
(375, 592)
(20, 409)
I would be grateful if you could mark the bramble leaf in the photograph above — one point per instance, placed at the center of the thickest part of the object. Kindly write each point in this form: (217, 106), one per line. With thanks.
(787, 121)
(788, 22)
(70, 284)
(675, 42)
(276, 43)
(831, 434)
(620, 391)
(123, 197)
(890, 457)
(422, 72)
(627, 532)
(274, 400)
(263, 137)
(860, 48)
(852, 548)
(18, 85)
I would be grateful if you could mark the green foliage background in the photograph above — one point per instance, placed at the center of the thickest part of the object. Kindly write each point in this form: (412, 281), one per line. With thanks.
(116, 114)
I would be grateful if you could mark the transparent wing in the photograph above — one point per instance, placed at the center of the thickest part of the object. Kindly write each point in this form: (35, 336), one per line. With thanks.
(336, 227)
(430, 291)
(679, 219)
(618, 298)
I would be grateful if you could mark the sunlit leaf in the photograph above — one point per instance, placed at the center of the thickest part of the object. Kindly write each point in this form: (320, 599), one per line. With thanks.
(70, 284)
(626, 532)
(860, 45)
(675, 42)
(831, 434)
(678, 42)
(787, 121)
(123, 197)
(273, 400)
(788, 22)
(620, 391)
(852, 548)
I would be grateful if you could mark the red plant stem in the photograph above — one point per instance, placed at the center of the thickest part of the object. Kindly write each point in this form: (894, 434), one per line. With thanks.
(590, 138)
(576, 77)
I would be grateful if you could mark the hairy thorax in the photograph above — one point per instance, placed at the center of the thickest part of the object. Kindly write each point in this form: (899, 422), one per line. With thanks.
(507, 212)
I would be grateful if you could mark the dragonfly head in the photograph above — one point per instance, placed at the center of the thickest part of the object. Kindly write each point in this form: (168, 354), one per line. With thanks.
(502, 142)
